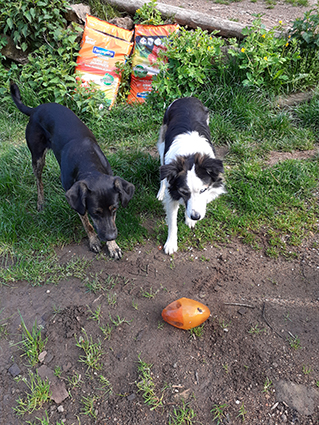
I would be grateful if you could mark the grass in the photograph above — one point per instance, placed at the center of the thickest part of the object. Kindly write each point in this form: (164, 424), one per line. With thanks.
(32, 342)
(88, 407)
(242, 412)
(182, 415)
(294, 341)
(146, 386)
(118, 321)
(92, 351)
(197, 332)
(218, 412)
(38, 393)
(267, 385)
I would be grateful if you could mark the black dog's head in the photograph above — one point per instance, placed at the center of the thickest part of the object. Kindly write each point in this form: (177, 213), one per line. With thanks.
(100, 196)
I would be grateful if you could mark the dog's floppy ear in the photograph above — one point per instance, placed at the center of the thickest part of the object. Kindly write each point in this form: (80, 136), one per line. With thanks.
(212, 166)
(125, 190)
(168, 171)
(76, 197)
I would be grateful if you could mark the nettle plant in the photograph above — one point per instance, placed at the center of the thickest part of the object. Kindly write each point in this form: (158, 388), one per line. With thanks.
(306, 31)
(265, 57)
(186, 66)
(30, 23)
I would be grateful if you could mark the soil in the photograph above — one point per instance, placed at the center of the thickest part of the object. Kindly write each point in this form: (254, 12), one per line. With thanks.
(258, 305)
(264, 325)
(245, 11)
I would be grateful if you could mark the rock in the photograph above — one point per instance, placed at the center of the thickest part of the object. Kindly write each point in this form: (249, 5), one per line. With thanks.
(57, 387)
(126, 22)
(10, 51)
(131, 397)
(66, 367)
(48, 358)
(182, 396)
(77, 13)
(14, 370)
(41, 356)
(299, 397)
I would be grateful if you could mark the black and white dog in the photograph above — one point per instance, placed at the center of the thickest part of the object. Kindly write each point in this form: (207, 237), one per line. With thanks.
(190, 174)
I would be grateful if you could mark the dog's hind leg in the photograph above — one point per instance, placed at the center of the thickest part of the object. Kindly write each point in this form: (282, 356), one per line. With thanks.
(37, 165)
(94, 243)
(38, 146)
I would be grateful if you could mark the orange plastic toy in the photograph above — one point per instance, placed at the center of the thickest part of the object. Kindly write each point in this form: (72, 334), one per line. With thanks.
(185, 313)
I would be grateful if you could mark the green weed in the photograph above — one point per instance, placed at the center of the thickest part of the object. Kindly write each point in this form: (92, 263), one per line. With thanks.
(182, 415)
(146, 385)
(306, 369)
(218, 412)
(150, 293)
(75, 380)
(38, 394)
(92, 351)
(88, 406)
(32, 342)
(107, 330)
(57, 371)
(294, 341)
(118, 321)
(95, 315)
(197, 332)
(267, 385)
(256, 330)
(242, 412)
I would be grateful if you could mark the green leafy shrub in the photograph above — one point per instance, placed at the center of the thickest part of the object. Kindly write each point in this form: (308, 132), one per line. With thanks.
(186, 66)
(264, 58)
(30, 23)
(306, 31)
(148, 14)
(49, 76)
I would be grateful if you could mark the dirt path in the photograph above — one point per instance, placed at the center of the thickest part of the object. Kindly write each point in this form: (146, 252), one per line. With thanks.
(245, 11)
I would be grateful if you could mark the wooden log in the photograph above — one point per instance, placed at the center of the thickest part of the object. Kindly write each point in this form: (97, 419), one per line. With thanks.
(185, 17)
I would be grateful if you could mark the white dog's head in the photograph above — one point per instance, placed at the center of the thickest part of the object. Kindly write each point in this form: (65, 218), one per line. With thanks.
(196, 179)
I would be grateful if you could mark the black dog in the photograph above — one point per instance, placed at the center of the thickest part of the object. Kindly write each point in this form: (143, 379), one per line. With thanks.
(86, 174)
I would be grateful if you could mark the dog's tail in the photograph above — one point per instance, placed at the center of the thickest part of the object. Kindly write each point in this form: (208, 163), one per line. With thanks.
(15, 94)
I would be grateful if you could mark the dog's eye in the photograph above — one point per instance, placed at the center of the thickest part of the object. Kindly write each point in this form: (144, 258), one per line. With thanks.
(99, 211)
(203, 190)
(113, 209)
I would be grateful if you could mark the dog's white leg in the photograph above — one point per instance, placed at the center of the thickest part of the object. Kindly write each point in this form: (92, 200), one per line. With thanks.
(161, 192)
(171, 208)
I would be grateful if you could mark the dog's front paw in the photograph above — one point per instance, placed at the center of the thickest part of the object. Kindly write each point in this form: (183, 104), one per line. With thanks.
(170, 247)
(114, 250)
(95, 245)
(189, 222)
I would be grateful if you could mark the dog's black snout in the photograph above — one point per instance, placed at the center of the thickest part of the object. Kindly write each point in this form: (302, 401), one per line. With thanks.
(195, 215)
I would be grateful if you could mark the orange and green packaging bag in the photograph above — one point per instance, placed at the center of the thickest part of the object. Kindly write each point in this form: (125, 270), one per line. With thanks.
(148, 41)
(99, 53)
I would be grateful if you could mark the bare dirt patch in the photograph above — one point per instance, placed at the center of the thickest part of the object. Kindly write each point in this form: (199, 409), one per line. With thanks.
(257, 306)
